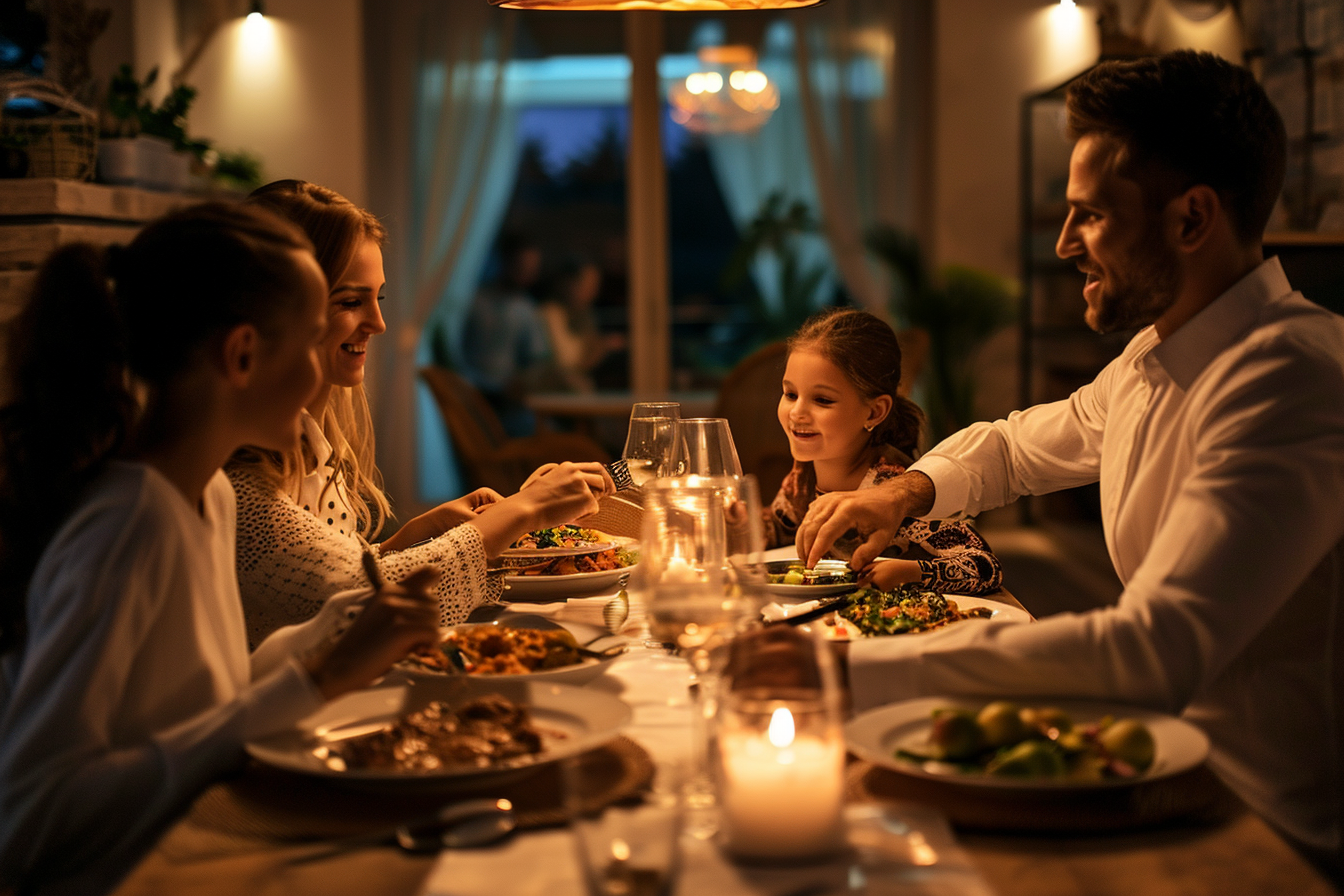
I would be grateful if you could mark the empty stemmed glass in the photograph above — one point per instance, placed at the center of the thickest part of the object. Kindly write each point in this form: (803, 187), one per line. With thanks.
(704, 447)
(650, 442)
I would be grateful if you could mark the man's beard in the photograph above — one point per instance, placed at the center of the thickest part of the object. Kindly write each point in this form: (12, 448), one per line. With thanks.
(1144, 295)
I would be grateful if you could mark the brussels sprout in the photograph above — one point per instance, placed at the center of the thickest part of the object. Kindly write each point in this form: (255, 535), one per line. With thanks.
(1130, 741)
(955, 735)
(1047, 719)
(1001, 723)
(1029, 759)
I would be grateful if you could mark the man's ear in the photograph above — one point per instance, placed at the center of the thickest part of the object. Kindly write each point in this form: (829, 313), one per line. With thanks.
(1197, 212)
(238, 354)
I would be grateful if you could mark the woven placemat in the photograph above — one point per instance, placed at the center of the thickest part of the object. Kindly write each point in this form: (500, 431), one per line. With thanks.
(1196, 796)
(277, 806)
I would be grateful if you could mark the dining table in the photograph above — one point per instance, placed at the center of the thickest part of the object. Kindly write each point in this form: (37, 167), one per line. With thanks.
(264, 831)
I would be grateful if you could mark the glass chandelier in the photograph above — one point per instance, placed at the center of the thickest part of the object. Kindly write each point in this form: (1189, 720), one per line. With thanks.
(729, 94)
(664, 5)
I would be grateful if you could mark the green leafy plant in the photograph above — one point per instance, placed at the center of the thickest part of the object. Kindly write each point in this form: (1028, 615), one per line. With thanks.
(960, 309)
(238, 170)
(129, 112)
(776, 229)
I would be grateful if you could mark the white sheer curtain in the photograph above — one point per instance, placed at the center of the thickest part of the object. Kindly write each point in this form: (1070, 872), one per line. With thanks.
(861, 87)
(444, 132)
(774, 159)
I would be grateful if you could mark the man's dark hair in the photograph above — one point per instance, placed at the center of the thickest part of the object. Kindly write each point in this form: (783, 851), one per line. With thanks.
(1191, 118)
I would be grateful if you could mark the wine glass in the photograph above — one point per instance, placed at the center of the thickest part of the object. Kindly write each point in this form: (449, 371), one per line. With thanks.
(700, 581)
(704, 447)
(649, 443)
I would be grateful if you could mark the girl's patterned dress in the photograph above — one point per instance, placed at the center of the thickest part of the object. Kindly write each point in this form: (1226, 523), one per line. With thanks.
(961, 561)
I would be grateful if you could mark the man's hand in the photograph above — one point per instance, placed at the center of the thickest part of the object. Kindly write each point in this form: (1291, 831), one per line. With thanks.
(877, 513)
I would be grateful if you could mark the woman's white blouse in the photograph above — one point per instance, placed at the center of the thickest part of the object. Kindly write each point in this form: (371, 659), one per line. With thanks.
(134, 688)
(293, 556)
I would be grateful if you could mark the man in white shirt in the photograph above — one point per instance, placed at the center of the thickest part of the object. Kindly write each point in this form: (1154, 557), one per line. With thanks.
(1218, 441)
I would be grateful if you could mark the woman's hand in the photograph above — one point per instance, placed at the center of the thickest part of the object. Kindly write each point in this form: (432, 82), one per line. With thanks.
(553, 495)
(397, 619)
(447, 515)
(888, 574)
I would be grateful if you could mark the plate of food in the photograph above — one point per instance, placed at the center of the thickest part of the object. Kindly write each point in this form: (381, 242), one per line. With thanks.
(557, 541)
(572, 575)
(500, 651)
(792, 580)
(1032, 744)
(910, 609)
(446, 731)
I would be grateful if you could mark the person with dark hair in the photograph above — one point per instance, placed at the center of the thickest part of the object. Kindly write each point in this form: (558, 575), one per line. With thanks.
(306, 517)
(577, 346)
(504, 349)
(1217, 437)
(126, 685)
(849, 428)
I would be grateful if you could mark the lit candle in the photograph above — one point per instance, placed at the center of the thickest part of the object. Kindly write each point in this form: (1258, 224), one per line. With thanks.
(782, 791)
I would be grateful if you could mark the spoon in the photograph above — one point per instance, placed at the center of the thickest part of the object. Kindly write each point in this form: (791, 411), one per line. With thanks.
(457, 826)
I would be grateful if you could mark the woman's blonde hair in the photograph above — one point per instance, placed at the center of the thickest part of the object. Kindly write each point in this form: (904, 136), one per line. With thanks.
(337, 228)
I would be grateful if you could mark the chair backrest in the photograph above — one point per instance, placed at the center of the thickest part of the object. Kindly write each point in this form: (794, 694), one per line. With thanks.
(749, 400)
(473, 425)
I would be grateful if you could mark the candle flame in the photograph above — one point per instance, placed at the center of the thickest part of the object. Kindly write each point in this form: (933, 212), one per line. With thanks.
(781, 728)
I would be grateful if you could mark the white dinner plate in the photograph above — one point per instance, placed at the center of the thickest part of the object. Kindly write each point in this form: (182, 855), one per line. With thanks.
(780, 591)
(572, 721)
(998, 609)
(580, 673)
(877, 734)
(520, 587)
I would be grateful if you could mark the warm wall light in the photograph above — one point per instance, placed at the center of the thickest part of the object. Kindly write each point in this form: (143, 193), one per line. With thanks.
(707, 102)
(256, 10)
(658, 5)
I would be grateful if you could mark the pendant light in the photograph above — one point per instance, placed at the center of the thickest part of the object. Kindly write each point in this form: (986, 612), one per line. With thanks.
(728, 95)
(657, 5)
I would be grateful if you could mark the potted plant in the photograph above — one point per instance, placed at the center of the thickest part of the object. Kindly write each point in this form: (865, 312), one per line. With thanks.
(144, 144)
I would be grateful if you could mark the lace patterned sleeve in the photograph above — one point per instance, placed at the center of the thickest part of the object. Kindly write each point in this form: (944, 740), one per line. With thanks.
(963, 562)
(459, 556)
(289, 563)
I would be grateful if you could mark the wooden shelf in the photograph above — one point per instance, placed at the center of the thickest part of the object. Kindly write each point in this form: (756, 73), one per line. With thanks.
(53, 198)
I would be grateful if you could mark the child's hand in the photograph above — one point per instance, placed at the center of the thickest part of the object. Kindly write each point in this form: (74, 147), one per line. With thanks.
(887, 574)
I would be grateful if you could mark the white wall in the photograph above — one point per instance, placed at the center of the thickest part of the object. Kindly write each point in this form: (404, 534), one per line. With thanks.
(289, 89)
(989, 55)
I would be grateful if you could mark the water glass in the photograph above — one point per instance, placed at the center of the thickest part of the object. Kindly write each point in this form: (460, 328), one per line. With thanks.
(650, 441)
(625, 850)
(704, 447)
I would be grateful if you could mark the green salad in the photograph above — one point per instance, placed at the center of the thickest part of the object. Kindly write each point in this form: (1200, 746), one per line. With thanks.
(907, 608)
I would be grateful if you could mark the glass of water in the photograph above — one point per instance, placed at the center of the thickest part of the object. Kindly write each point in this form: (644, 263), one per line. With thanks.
(625, 850)
(650, 443)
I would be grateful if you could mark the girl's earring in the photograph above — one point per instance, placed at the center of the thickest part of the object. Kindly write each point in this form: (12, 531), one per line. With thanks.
(870, 428)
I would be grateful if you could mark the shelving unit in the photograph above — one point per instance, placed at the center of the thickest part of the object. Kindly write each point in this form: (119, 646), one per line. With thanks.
(39, 214)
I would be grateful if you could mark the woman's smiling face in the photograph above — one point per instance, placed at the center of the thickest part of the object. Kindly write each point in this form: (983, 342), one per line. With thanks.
(822, 412)
(353, 315)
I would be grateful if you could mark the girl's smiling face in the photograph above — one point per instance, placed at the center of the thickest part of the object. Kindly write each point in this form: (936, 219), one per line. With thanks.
(823, 413)
(353, 316)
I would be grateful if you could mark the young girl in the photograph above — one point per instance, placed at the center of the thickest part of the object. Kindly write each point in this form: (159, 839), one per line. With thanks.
(125, 681)
(304, 515)
(849, 429)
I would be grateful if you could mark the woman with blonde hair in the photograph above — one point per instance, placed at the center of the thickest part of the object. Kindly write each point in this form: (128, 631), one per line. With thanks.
(306, 516)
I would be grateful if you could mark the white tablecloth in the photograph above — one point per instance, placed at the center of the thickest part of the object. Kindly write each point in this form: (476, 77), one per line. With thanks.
(894, 850)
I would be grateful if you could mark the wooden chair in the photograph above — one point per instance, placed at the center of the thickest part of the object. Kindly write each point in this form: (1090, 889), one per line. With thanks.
(749, 400)
(489, 457)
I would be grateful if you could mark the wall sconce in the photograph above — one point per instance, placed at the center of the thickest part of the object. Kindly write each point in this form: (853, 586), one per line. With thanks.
(257, 9)
(730, 95)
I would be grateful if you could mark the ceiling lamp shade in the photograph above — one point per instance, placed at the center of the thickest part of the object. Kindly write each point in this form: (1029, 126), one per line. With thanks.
(729, 95)
(662, 5)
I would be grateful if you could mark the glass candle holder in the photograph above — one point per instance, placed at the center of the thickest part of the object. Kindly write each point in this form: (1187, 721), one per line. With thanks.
(780, 749)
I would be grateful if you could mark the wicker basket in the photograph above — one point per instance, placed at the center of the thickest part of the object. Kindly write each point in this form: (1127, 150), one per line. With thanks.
(61, 145)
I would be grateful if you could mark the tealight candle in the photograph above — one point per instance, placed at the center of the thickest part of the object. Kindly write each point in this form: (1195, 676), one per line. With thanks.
(781, 791)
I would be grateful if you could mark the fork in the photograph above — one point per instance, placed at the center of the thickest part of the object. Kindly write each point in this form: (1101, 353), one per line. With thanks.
(620, 474)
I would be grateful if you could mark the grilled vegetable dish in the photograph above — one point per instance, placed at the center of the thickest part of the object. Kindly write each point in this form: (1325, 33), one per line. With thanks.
(566, 536)
(801, 575)
(613, 558)
(1007, 740)
(908, 608)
